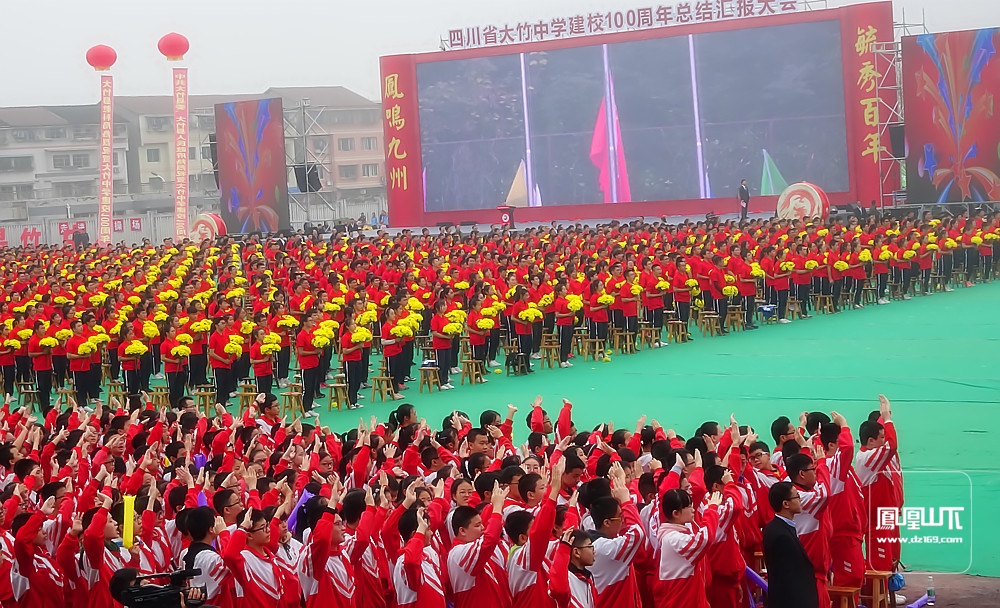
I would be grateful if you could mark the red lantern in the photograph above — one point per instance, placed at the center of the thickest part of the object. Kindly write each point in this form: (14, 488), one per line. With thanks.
(101, 57)
(173, 46)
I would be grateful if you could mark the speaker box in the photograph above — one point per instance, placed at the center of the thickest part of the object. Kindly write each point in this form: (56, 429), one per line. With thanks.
(897, 141)
(307, 178)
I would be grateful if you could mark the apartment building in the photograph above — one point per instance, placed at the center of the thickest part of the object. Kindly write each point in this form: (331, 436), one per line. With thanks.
(51, 153)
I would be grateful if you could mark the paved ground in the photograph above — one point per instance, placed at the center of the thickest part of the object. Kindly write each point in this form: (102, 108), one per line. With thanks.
(957, 590)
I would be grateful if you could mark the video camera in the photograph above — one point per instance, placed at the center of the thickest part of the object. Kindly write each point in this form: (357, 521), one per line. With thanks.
(132, 590)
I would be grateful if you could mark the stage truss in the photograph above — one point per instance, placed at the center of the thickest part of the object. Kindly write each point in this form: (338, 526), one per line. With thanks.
(889, 90)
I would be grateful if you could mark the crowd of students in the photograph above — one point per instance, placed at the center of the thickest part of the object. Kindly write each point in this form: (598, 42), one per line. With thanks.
(254, 307)
(397, 513)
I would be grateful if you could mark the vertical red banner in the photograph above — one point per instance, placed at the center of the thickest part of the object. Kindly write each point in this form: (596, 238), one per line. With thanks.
(403, 167)
(180, 154)
(106, 155)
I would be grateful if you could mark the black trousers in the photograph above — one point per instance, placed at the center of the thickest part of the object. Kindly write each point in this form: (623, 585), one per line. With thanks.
(408, 358)
(198, 369)
(310, 386)
(59, 367)
(43, 380)
(94, 386)
(722, 309)
(859, 288)
(549, 322)
(480, 352)
(131, 381)
(618, 319)
(881, 282)
(971, 262)
(947, 267)
(176, 382)
(264, 383)
(223, 384)
(493, 344)
(82, 382)
(987, 261)
(782, 296)
(630, 324)
(443, 356)
(284, 358)
(145, 370)
(925, 280)
(155, 348)
(654, 316)
(352, 369)
(396, 365)
(802, 295)
(838, 287)
(9, 372)
(684, 313)
(22, 365)
(114, 364)
(565, 342)
(536, 336)
(748, 309)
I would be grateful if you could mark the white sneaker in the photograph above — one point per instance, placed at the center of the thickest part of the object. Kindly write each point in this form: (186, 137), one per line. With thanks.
(446, 387)
(858, 307)
(568, 364)
(455, 370)
(900, 599)
(882, 301)
(482, 380)
(159, 376)
(907, 296)
(536, 356)
(946, 288)
(783, 321)
(282, 383)
(494, 363)
(232, 394)
(657, 345)
(311, 414)
(564, 365)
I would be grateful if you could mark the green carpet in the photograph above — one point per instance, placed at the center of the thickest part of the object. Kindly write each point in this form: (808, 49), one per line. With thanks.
(934, 357)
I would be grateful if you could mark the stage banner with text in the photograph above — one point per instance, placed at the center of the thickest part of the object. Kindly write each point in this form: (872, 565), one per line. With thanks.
(180, 154)
(106, 194)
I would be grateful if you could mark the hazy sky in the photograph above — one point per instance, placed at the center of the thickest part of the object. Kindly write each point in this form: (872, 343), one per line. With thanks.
(246, 46)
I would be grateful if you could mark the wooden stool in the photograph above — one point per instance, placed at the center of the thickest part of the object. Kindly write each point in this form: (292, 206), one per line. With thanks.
(429, 378)
(875, 590)
(734, 318)
(550, 355)
(843, 597)
(26, 393)
(160, 396)
(580, 335)
(203, 401)
(473, 370)
(794, 309)
(105, 373)
(593, 348)
(291, 402)
(339, 399)
(115, 389)
(676, 331)
(758, 563)
(710, 324)
(247, 396)
(624, 342)
(65, 394)
(382, 386)
(649, 335)
(824, 302)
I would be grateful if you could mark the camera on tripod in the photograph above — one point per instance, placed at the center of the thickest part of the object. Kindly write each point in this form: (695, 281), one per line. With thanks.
(134, 591)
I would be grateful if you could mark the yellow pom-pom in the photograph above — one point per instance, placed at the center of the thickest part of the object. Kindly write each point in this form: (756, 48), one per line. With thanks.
(24, 334)
(463, 285)
(321, 342)
(607, 359)
(730, 291)
(150, 330)
(233, 349)
(361, 335)
(181, 351)
(234, 339)
(811, 264)
(452, 329)
(456, 316)
(865, 256)
(48, 342)
(247, 327)
(486, 324)
(12, 343)
(64, 334)
(841, 266)
(184, 338)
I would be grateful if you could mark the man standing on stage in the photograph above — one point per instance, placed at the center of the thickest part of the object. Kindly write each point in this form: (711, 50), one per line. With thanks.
(744, 199)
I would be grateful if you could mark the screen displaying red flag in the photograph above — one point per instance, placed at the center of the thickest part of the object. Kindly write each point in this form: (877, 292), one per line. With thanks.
(600, 153)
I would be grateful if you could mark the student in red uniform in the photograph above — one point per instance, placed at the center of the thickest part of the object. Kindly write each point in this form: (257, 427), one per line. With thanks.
(129, 363)
(79, 365)
(522, 328)
(629, 304)
(476, 561)
(36, 580)
(682, 542)
(618, 541)
(565, 321)
(598, 312)
(350, 355)
(219, 359)
(571, 583)
(41, 363)
(308, 356)
(325, 569)
(682, 294)
(7, 360)
(249, 558)
(478, 337)
(877, 465)
(263, 365)
(173, 365)
(442, 343)
(216, 577)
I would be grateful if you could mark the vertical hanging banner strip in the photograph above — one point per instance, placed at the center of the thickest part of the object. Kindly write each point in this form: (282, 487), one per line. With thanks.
(106, 154)
(181, 141)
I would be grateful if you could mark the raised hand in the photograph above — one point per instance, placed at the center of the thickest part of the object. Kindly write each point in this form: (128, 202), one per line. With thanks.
(884, 409)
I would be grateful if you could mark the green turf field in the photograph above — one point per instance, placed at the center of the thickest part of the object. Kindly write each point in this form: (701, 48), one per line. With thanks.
(934, 357)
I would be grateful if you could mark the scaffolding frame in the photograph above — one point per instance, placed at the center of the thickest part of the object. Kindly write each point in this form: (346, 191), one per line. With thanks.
(890, 110)
(302, 122)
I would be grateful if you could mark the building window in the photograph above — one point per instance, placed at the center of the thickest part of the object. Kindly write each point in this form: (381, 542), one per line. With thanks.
(321, 144)
(369, 143)
(81, 161)
(345, 144)
(158, 123)
(61, 161)
(84, 132)
(16, 163)
(152, 155)
(16, 192)
(119, 130)
(369, 170)
(192, 153)
(55, 133)
(206, 153)
(348, 171)
(23, 135)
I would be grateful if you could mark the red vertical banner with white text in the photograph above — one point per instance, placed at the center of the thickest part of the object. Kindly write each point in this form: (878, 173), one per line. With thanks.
(403, 168)
(106, 162)
(180, 154)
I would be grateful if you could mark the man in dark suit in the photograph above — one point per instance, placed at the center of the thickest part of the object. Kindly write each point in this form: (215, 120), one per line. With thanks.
(744, 199)
(791, 582)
